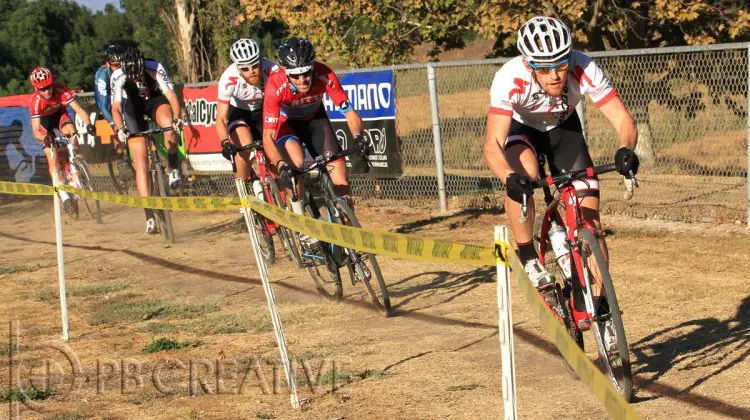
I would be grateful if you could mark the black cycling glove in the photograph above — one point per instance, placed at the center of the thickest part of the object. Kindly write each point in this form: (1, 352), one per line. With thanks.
(518, 185)
(228, 149)
(361, 145)
(626, 161)
(90, 130)
(285, 174)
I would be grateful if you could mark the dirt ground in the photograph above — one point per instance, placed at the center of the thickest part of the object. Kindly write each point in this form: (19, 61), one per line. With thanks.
(684, 290)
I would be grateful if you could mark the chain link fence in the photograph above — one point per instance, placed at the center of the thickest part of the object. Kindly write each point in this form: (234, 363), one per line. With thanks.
(690, 105)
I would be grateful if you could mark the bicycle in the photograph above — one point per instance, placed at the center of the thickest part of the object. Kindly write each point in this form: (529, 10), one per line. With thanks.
(330, 257)
(266, 228)
(158, 176)
(75, 172)
(570, 298)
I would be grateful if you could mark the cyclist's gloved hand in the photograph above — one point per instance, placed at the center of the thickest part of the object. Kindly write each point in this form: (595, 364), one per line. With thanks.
(123, 134)
(285, 174)
(518, 185)
(228, 149)
(177, 124)
(626, 161)
(90, 130)
(361, 145)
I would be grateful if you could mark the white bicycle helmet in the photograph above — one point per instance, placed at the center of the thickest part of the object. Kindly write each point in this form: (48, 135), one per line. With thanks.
(245, 51)
(544, 39)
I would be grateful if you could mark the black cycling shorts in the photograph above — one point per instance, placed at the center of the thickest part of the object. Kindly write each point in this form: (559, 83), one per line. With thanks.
(135, 111)
(243, 117)
(564, 145)
(58, 120)
(316, 134)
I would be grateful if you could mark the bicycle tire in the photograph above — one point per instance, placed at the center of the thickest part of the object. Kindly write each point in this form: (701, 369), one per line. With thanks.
(286, 234)
(265, 240)
(328, 283)
(358, 268)
(616, 366)
(84, 177)
(163, 217)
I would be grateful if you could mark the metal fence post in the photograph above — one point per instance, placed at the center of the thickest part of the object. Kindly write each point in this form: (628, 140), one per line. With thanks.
(436, 138)
(747, 110)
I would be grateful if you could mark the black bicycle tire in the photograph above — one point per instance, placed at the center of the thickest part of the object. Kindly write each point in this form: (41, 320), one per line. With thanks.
(264, 239)
(385, 304)
(320, 284)
(626, 387)
(165, 215)
(119, 188)
(85, 179)
(286, 234)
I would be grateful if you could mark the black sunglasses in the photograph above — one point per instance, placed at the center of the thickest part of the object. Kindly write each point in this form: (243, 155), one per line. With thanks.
(298, 76)
(46, 88)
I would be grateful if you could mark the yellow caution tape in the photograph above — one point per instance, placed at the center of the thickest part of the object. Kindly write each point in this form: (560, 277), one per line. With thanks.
(377, 242)
(363, 240)
(23, 188)
(602, 388)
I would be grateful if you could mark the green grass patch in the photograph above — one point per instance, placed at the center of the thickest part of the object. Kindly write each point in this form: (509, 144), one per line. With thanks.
(27, 394)
(636, 232)
(159, 328)
(165, 344)
(97, 289)
(13, 269)
(5, 349)
(45, 295)
(71, 415)
(233, 323)
(125, 309)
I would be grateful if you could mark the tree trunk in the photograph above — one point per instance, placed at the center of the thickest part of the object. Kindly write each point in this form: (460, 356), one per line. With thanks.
(182, 27)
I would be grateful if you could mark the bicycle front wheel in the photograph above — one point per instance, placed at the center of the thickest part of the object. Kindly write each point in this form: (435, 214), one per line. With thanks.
(609, 331)
(321, 265)
(364, 268)
(84, 177)
(163, 217)
(264, 238)
(286, 235)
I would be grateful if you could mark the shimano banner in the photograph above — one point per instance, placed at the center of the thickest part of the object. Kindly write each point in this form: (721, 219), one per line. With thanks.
(372, 95)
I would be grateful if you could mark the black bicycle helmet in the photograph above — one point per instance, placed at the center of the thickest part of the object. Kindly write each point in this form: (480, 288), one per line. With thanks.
(296, 53)
(113, 52)
(132, 62)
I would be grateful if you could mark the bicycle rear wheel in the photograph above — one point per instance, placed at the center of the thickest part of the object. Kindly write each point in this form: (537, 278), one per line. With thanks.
(286, 235)
(163, 217)
(84, 176)
(321, 265)
(609, 331)
(364, 268)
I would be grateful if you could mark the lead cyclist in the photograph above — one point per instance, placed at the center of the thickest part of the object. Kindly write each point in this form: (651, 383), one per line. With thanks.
(532, 110)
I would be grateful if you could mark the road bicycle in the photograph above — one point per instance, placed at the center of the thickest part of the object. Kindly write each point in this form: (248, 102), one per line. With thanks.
(324, 260)
(73, 170)
(266, 228)
(576, 297)
(158, 177)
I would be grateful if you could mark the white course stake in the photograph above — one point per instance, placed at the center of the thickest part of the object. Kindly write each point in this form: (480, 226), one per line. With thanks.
(61, 267)
(506, 326)
(275, 319)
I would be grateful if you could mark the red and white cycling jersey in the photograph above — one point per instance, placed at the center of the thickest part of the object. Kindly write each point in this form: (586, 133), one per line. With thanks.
(283, 100)
(515, 92)
(234, 90)
(41, 107)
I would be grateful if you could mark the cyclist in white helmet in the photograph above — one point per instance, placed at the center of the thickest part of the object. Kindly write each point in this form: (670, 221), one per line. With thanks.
(239, 113)
(532, 110)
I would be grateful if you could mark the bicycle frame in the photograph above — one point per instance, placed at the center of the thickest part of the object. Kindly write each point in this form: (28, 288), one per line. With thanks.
(263, 175)
(574, 221)
(68, 172)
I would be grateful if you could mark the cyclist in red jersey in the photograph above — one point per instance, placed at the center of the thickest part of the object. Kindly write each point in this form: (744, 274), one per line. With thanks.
(293, 115)
(47, 109)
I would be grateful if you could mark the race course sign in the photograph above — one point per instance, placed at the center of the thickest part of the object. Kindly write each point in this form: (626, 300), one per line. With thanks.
(372, 95)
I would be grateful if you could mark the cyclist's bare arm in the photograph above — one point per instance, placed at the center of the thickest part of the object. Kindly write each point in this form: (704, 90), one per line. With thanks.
(174, 103)
(222, 115)
(498, 127)
(622, 121)
(82, 114)
(269, 146)
(354, 121)
(117, 115)
(36, 128)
